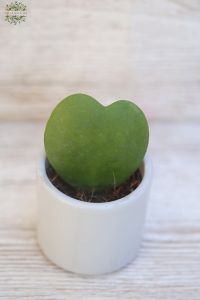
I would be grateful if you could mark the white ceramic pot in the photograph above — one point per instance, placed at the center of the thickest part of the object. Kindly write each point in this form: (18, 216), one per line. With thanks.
(91, 238)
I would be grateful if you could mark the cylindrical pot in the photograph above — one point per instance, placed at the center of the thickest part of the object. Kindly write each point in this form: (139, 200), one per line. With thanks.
(91, 238)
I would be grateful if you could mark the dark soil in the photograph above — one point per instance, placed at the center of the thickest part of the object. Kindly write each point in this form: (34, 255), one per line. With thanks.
(107, 195)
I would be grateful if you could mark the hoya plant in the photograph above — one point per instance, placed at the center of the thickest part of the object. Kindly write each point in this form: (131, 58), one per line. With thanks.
(93, 147)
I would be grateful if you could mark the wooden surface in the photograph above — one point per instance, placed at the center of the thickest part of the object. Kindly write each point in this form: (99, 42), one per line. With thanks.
(168, 266)
(148, 51)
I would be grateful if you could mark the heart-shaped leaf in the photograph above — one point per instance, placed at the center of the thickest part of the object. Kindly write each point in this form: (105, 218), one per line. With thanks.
(93, 147)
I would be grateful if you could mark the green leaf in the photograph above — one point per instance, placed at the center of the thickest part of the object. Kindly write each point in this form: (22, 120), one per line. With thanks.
(95, 147)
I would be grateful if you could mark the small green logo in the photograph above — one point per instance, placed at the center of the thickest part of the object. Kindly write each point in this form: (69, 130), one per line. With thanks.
(15, 12)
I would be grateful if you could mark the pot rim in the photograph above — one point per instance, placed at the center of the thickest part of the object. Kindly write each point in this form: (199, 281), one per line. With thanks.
(60, 196)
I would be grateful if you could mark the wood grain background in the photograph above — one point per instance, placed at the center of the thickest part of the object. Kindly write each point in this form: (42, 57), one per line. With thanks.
(145, 51)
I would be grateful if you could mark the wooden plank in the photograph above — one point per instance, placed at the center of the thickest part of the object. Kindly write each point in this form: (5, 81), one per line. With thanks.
(145, 51)
(168, 264)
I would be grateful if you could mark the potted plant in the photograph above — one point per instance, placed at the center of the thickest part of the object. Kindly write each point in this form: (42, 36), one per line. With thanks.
(93, 184)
